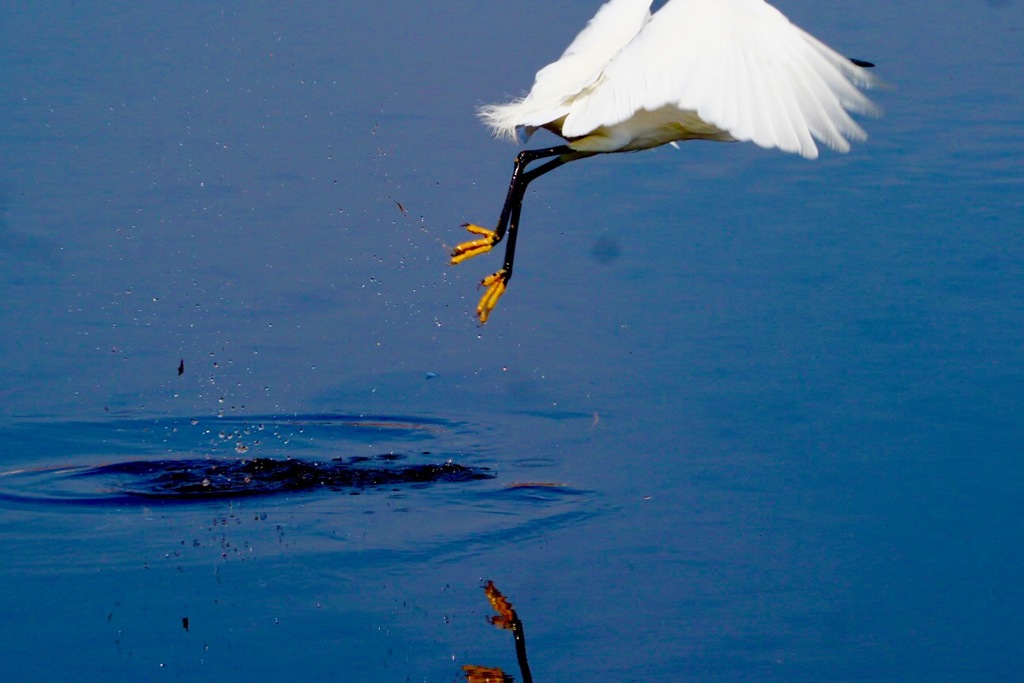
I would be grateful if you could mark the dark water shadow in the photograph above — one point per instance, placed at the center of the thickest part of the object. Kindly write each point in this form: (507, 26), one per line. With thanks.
(146, 481)
(264, 476)
(141, 461)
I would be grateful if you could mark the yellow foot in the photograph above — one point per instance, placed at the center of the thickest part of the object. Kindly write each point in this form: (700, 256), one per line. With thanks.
(474, 247)
(495, 284)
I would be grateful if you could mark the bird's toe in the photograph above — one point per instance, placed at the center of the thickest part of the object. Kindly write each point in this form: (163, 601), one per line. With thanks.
(474, 247)
(495, 284)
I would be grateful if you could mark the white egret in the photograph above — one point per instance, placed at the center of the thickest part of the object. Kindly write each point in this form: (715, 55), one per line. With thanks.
(725, 70)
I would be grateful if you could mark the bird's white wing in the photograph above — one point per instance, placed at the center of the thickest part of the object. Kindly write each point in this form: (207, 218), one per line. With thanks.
(616, 23)
(742, 66)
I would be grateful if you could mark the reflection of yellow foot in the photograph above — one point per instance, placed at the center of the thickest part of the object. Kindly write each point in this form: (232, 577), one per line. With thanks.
(495, 284)
(474, 247)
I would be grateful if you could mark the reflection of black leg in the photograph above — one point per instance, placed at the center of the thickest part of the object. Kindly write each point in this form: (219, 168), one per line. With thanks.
(506, 619)
(524, 666)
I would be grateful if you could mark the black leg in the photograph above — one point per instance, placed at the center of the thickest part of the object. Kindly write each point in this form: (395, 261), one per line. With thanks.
(514, 205)
(520, 179)
(508, 221)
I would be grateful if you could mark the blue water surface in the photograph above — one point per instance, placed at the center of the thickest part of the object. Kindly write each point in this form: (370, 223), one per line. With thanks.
(749, 417)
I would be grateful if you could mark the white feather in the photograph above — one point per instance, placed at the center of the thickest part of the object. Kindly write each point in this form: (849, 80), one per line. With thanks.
(696, 69)
(615, 24)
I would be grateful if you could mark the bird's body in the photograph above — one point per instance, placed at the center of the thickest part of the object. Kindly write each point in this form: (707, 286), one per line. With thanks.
(723, 70)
